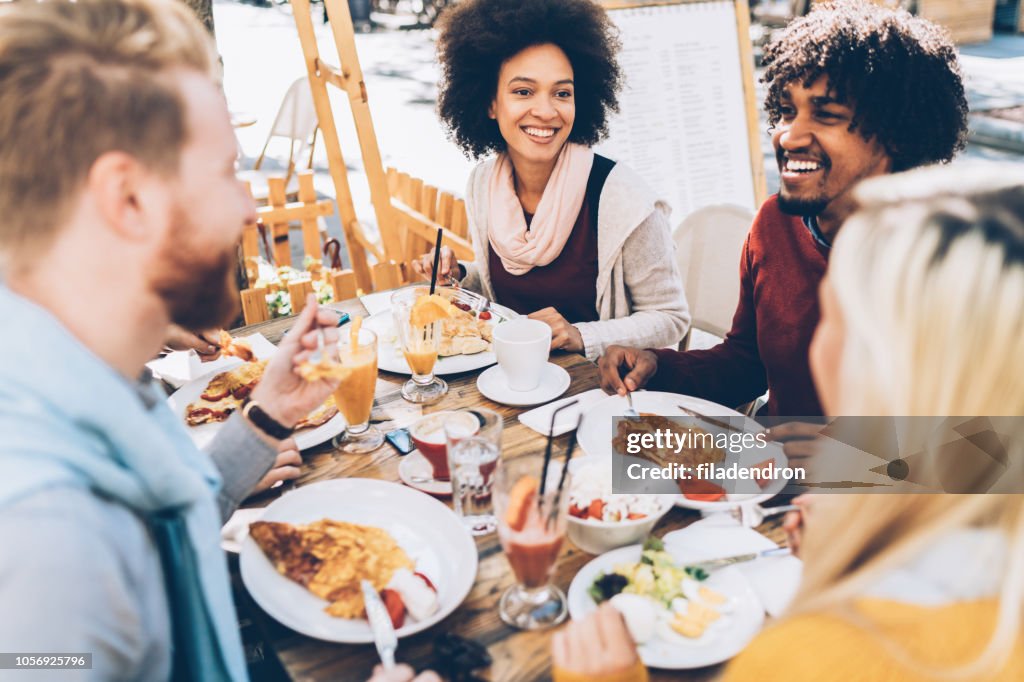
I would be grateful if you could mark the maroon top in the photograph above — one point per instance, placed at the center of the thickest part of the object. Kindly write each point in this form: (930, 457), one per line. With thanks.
(767, 347)
(568, 283)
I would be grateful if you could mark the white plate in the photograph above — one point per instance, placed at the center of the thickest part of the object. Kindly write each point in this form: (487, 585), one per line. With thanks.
(391, 359)
(415, 466)
(429, 532)
(723, 639)
(595, 437)
(553, 383)
(204, 433)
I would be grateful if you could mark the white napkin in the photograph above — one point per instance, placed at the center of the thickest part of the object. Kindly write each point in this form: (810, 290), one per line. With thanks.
(539, 419)
(775, 579)
(374, 303)
(234, 532)
(180, 367)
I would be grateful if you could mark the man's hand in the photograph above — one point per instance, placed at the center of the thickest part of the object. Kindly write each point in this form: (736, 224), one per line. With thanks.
(286, 466)
(446, 265)
(402, 673)
(179, 338)
(798, 438)
(624, 370)
(283, 393)
(564, 336)
(597, 645)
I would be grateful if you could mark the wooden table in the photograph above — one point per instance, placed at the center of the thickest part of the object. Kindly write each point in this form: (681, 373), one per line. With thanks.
(518, 656)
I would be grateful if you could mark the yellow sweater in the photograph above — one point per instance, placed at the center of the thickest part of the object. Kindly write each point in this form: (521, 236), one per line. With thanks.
(827, 648)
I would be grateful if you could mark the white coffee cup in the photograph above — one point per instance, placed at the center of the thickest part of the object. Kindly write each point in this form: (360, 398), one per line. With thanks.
(522, 346)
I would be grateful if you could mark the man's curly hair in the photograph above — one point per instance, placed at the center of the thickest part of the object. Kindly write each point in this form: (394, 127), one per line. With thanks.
(478, 36)
(900, 73)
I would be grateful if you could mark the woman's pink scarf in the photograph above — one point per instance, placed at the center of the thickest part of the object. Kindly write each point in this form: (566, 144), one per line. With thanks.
(520, 249)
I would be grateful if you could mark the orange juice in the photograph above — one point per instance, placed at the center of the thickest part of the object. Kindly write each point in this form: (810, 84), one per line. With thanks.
(354, 394)
(421, 357)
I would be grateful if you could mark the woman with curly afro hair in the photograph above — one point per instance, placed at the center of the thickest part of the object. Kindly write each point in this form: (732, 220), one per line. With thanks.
(560, 233)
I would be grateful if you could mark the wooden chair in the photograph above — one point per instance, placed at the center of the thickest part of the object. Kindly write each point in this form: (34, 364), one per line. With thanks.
(276, 219)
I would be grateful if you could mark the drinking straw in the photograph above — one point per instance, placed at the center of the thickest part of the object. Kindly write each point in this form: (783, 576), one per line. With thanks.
(437, 259)
(547, 449)
(553, 514)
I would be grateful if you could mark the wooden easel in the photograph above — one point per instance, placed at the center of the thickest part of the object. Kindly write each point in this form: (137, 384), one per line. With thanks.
(408, 215)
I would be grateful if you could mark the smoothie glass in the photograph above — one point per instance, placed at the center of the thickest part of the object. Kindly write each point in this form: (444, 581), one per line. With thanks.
(354, 395)
(420, 345)
(531, 528)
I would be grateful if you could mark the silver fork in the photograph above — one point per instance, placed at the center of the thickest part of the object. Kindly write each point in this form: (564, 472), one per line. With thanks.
(754, 515)
(630, 410)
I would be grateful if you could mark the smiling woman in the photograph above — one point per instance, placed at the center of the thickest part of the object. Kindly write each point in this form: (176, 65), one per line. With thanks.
(560, 233)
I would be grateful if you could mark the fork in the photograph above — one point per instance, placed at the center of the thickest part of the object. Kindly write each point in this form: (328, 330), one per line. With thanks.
(631, 412)
(754, 515)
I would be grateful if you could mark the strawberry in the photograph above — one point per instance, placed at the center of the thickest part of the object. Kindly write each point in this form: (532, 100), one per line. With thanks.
(701, 491)
(395, 606)
(579, 512)
(596, 510)
(485, 315)
(633, 516)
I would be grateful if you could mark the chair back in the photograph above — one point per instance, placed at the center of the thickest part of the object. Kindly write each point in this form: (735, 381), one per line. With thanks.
(709, 243)
(296, 122)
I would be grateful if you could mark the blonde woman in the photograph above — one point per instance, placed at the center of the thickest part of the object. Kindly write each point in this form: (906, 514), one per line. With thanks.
(922, 315)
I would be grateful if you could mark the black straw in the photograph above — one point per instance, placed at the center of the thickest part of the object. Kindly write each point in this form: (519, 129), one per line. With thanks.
(437, 259)
(547, 450)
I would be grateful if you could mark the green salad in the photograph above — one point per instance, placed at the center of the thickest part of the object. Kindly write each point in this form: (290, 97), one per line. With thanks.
(657, 575)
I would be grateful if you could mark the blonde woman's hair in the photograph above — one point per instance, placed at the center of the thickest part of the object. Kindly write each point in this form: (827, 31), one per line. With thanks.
(77, 80)
(929, 278)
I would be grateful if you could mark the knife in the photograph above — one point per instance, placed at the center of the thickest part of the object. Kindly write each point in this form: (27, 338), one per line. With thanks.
(380, 623)
(742, 558)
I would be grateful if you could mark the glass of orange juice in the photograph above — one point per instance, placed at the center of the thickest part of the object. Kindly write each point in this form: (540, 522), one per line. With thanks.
(357, 353)
(420, 345)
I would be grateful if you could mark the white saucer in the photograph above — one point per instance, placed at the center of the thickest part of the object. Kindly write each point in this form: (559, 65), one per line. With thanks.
(553, 382)
(415, 465)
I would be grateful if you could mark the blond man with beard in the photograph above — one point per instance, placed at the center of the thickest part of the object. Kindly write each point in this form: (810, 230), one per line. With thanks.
(121, 214)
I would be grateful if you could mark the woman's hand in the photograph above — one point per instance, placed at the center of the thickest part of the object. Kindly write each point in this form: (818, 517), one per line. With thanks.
(793, 524)
(624, 370)
(596, 645)
(402, 673)
(283, 393)
(564, 336)
(447, 265)
(286, 466)
(179, 338)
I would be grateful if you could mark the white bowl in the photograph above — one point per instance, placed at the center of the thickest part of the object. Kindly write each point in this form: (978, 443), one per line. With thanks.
(598, 537)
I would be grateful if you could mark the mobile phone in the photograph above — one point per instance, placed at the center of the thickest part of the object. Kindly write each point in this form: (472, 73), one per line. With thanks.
(400, 440)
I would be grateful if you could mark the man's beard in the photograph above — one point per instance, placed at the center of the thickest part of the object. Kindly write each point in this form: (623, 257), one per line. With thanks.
(197, 286)
(801, 207)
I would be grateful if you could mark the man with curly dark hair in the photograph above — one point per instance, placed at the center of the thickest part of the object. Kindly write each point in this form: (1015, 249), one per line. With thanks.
(855, 90)
(561, 234)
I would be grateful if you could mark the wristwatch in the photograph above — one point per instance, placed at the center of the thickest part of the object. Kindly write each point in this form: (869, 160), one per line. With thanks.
(252, 411)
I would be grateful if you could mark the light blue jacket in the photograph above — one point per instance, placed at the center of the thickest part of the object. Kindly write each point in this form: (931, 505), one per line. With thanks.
(85, 457)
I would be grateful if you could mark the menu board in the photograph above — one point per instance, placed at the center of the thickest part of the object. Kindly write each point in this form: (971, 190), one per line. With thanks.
(685, 122)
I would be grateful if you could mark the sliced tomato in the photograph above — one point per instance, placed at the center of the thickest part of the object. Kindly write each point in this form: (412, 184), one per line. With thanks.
(241, 392)
(395, 606)
(596, 510)
(426, 580)
(701, 491)
(214, 397)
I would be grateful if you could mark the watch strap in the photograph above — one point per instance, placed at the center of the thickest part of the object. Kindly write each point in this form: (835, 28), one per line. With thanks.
(252, 411)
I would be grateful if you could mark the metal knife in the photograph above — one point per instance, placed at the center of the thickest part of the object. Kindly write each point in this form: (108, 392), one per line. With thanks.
(742, 558)
(380, 622)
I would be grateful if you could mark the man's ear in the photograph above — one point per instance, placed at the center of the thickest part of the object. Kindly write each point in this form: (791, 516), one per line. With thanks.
(122, 193)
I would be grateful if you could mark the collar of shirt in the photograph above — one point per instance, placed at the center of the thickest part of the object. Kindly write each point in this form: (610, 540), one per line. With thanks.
(811, 222)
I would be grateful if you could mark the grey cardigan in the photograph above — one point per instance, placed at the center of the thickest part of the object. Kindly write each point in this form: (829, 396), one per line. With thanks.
(639, 293)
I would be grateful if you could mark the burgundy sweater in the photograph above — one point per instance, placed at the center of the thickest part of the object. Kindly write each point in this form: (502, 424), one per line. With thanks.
(767, 347)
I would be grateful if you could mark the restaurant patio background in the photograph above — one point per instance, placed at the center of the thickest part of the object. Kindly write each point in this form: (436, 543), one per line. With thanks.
(261, 53)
